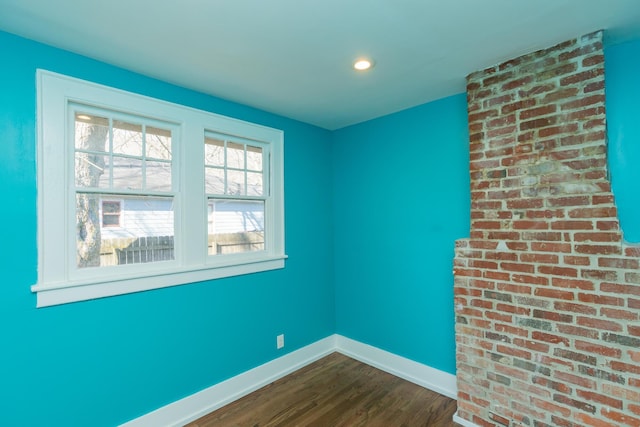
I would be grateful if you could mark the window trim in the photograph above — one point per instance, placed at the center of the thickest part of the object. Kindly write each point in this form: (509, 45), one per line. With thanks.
(57, 282)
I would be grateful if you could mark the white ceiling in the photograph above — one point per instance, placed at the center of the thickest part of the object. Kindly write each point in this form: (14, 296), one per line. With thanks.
(293, 57)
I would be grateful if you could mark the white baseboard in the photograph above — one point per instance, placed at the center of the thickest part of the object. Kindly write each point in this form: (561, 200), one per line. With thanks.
(197, 405)
(423, 375)
(192, 407)
(463, 422)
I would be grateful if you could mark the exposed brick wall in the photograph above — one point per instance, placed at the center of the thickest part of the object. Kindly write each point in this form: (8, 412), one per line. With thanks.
(547, 294)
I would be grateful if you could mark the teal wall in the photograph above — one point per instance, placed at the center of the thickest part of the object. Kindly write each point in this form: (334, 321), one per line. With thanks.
(104, 362)
(622, 68)
(401, 199)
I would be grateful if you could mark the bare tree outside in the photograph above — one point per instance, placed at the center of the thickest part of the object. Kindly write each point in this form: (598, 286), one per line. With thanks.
(91, 140)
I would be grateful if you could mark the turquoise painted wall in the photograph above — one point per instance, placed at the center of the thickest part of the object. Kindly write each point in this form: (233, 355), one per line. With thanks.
(622, 69)
(401, 199)
(104, 362)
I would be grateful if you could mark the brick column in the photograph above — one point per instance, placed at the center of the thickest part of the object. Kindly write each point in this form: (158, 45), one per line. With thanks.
(547, 294)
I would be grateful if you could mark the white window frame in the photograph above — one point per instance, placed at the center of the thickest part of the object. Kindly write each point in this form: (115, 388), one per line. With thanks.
(59, 282)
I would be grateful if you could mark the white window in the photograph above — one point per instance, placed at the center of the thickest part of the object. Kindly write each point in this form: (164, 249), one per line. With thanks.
(135, 193)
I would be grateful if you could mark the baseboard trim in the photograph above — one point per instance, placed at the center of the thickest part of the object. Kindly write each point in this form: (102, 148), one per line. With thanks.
(417, 373)
(192, 407)
(463, 422)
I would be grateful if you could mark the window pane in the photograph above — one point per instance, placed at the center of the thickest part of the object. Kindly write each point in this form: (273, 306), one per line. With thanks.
(254, 158)
(158, 176)
(145, 232)
(127, 173)
(235, 226)
(91, 170)
(235, 155)
(91, 132)
(111, 214)
(213, 152)
(254, 184)
(127, 138)
(235, 183)
(158, 143)
(214, 180)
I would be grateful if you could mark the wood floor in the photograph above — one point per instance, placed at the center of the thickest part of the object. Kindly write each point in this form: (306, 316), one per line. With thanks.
(336, 391)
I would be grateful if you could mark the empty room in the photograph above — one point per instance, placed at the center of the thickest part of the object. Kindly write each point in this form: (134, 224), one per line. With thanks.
(281, 213)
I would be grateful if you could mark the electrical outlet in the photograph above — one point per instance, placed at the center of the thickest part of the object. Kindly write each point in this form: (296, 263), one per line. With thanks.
(280, 341)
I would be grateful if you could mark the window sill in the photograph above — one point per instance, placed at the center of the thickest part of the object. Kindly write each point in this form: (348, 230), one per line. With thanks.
(50, 294)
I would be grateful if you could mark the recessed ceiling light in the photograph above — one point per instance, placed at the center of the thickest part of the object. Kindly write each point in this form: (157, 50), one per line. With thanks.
(362, 64)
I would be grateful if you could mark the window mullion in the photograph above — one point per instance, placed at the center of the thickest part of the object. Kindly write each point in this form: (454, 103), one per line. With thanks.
(193, 212)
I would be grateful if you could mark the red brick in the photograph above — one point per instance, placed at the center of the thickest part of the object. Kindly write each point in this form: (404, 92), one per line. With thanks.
(575, 308)
(558, 271)
(508, 308)
(632, 277)
(539, 258)
(530, 225)
(620, 417)
(502, 99)
(582, 76)
(562, 282)
(600, 274)
(496, 275)
(517, 267)
(519, 105)
(497, 78)
(601, 299)
(576, 260)
(620, 289)
(499, 122)
(590, 163)
(583, 102)
(536, 90)
(575, 379)
(582, 114)
(563, 93)
(599, 324)
(534, 280)
(587, 420)
(551, 247)
(597, 237)
(482, 115)
(487, 225)
(572, 225)
(570, 201)
(525, 204)
(531, 345)
(594, 86)
(598, 249)
(554, 293)
(613, 313)
(566, 155)
(550, 407)
(623, 263)
(557, 130)
(514, 289)
(503, 235)
(538, 111)
(503, 256)
(550, 338)
(578, 331)
(506, 151)
(598, 349)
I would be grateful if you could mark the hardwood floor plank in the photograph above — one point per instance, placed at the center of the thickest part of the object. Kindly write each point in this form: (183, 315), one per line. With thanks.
(336, 391)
